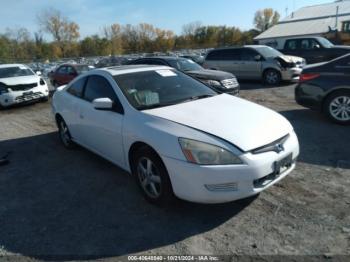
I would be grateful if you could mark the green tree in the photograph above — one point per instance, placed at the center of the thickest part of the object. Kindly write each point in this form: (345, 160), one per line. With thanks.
(266, 18)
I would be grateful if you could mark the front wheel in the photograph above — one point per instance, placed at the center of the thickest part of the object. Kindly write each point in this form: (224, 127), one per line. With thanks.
(64, 134)
(272, 77)
(337, 107)
(152, 177)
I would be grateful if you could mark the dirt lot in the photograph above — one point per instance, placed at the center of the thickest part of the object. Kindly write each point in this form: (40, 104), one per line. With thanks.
(59, 204)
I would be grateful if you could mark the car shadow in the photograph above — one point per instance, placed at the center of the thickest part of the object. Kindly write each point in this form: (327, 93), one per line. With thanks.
(59, 204)
(256, 84)
(322, 142)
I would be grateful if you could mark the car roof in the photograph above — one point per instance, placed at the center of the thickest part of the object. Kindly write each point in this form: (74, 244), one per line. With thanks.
(11, 65)
(128, 69)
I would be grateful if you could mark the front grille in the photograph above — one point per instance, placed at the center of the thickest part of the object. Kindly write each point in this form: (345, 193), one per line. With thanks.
(276, 146)
(230, 83)
(222, 187)
(29, 97)
(23, 87)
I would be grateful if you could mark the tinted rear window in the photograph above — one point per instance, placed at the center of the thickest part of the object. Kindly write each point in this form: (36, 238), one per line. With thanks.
(225, 54)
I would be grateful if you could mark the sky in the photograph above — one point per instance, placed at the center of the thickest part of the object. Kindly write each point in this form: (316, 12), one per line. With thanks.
(92, 15)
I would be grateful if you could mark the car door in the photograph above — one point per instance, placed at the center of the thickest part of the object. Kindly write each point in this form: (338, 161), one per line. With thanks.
(250, 66)
(72, 108)
(102, 129)
(311, 50)
(60, 75)
(292, 47)
(71, 74)
(229, 60)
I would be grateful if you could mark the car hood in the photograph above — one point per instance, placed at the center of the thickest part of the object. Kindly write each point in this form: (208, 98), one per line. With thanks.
(210, 74)
(341, 47)
(292, 59)
(20, 80)
(242, 123)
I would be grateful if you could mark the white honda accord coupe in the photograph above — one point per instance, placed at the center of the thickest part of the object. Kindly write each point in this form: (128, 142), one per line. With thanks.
(177, 136)
(19, 84)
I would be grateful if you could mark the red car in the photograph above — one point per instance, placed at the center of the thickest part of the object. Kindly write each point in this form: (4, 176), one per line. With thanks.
(65, 73)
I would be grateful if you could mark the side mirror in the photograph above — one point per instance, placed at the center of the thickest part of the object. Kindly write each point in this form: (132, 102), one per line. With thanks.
(257, 58)
(38, 73)
(317, 46)
(103, 103)
(73, 74)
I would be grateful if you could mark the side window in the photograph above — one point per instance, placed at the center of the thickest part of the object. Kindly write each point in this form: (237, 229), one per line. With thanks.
(70, 70)
(305, 44)
(76, 89)
(231, 54)
(292, 45)
(62, 70)
(99, 87)
(249, 55)
(214, 55)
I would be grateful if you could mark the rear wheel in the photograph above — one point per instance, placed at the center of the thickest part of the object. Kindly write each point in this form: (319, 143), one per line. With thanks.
(272, 77)
(337, 107)
(152, 177)
(64, 134)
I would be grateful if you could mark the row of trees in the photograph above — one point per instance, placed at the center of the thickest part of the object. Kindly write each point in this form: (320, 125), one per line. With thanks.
(18, 44)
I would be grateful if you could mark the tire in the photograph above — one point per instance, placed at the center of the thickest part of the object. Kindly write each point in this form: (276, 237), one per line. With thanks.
(337, 107)
(152, 177)
(272, 77)
(45, 99)
(55, 85)
(64, 134)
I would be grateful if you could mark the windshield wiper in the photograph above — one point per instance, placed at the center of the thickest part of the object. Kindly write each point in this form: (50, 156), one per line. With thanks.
(200, 97)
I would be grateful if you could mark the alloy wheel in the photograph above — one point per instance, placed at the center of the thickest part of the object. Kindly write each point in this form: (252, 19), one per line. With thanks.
(149, 177)
(64, 134)
(339, 108)
(272, 77)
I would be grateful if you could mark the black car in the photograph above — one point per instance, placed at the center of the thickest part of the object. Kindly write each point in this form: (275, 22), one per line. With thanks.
(221, 81)
(314, 49)
(326, 87)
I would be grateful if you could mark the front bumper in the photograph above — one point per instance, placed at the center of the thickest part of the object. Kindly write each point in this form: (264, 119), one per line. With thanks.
(291, 74)
(19, 97)
(309, 96)
(220, 184)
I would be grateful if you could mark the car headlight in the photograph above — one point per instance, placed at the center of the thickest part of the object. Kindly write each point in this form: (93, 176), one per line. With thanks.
(206, 154)
(213, 83)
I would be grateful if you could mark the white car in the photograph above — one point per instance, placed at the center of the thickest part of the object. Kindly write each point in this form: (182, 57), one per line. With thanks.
(175, 134)
(19, 84)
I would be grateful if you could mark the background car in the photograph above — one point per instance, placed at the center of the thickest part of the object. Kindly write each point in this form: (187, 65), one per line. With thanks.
(255, 62)
(177, 136)
(326, 87)
(66, 73)
(19, 84)
(314, 49)
(219, 80)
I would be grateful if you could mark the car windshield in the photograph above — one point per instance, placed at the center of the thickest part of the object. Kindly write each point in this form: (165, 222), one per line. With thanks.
(325, 43)
(153, 89)
(267, 51)
(82, 69)
(185, 65)
(15, 71)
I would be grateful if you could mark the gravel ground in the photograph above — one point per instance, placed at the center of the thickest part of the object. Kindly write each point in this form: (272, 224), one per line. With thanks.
(57, 204)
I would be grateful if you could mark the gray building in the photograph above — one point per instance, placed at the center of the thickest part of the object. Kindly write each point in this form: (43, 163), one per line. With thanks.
(317, 20)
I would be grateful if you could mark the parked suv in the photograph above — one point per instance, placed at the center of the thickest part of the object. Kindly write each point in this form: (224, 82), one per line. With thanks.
(19, 84)
(66, 73)
(255, 62)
